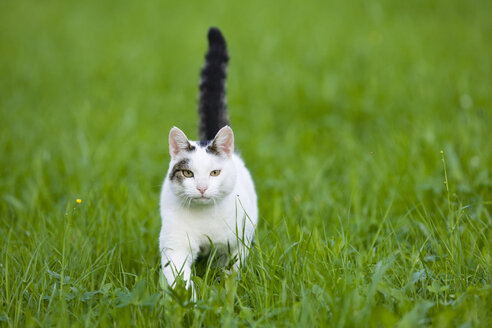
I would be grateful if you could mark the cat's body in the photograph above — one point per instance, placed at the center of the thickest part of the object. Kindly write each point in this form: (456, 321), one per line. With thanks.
(208, 195)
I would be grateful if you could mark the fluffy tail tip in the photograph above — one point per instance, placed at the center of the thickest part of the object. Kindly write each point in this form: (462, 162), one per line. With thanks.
(215, 38)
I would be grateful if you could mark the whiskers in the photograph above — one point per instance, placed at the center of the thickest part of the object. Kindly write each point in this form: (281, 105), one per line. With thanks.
(185, 200)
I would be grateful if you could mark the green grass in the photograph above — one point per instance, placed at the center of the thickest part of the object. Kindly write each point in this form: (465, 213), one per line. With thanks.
(340, 110)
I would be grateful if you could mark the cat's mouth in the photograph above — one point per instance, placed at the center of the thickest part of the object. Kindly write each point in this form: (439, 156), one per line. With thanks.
(202, 198)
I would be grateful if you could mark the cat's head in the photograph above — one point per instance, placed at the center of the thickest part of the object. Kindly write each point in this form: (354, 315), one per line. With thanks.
(201, 173)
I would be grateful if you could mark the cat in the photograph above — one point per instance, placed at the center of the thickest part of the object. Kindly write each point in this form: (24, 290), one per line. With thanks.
(208, 197)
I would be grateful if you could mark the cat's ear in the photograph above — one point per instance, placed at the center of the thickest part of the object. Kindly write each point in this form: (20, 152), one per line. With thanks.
(178, 142)
(223, 142)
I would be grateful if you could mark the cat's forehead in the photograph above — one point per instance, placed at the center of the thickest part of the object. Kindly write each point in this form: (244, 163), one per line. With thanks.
(201, 156)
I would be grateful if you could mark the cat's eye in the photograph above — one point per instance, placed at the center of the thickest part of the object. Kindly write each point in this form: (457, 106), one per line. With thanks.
(187, 173)
(215, 173)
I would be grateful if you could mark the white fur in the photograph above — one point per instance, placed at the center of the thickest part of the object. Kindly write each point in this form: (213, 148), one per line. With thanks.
(227, 216)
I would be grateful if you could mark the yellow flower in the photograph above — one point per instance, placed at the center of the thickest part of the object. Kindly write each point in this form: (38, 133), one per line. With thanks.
(78, 201)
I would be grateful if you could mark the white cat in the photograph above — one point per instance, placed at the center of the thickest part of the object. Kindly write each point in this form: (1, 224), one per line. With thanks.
(208, 195)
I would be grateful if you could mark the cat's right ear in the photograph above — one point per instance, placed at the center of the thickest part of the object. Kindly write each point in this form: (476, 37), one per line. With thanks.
(178, 142)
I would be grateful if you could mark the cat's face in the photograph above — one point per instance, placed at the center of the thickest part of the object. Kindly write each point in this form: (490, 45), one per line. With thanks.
(201, 174)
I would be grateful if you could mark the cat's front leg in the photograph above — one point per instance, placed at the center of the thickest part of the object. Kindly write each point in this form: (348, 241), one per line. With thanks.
(177, 263)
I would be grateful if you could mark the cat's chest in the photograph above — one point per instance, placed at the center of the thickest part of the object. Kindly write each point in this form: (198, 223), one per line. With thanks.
(218, 224)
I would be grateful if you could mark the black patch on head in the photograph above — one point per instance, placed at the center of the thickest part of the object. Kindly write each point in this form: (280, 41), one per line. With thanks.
(212, 149)
(179, 166)
(209, 147)
(190, 147)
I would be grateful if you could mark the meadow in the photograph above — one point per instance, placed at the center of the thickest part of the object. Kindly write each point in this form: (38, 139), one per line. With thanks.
(366, 126)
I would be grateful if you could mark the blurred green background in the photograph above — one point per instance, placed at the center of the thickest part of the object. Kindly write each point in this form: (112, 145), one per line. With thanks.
(340, 110)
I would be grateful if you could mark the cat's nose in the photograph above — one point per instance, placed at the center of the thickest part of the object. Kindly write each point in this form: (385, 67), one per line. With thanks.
(202, 189)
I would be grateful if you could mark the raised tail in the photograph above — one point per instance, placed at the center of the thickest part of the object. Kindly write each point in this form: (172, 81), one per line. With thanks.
(212, 102)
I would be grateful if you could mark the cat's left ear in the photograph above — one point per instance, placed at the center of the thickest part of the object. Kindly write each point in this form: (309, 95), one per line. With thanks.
(178, 142)
(223, 142)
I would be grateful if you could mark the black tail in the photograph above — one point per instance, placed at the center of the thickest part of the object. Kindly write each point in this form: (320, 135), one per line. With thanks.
(212, 103)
